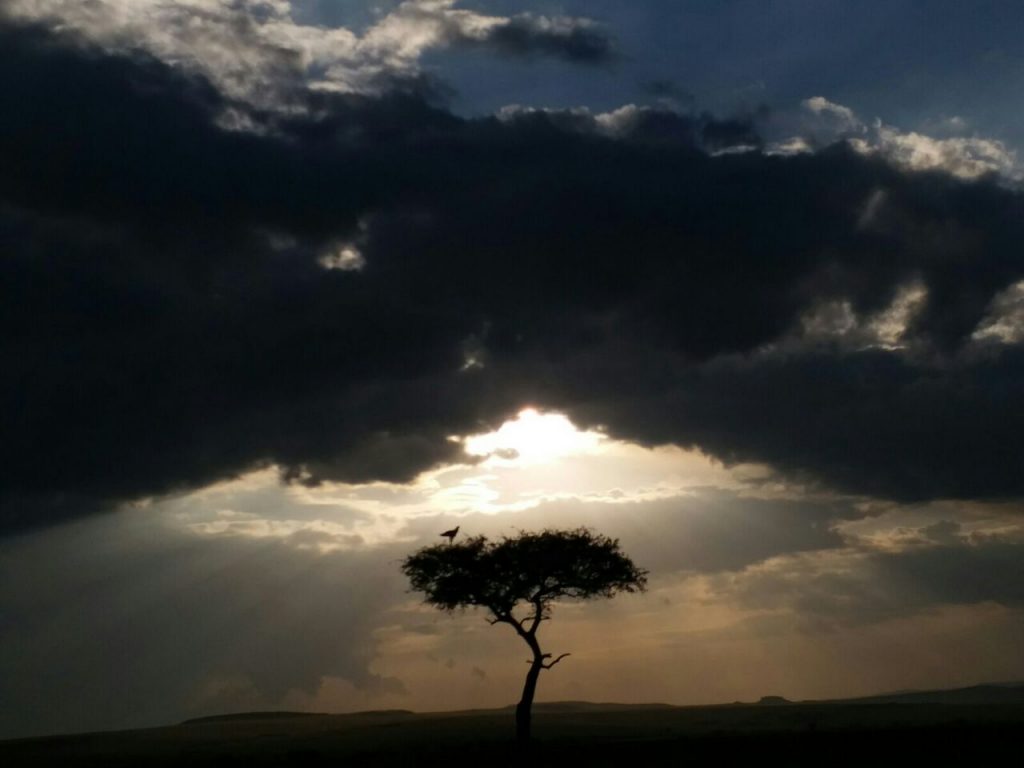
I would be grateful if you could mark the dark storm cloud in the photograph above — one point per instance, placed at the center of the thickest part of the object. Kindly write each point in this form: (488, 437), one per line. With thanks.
(869, 422)
(569, 39)
(167, 321)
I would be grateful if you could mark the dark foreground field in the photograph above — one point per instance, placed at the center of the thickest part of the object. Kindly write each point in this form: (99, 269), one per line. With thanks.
(566, 735)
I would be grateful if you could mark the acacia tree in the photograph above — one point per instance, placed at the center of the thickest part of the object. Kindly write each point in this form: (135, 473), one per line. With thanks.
(517, 579)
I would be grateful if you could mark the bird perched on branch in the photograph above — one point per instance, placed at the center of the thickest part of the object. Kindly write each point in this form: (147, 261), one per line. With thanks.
(450, 535)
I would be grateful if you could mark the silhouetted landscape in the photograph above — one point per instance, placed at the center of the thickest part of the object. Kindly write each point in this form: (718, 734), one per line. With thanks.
(467, 366)
(940, 726)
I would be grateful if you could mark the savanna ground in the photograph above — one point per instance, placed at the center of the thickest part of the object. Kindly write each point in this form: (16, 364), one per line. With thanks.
(565, 734)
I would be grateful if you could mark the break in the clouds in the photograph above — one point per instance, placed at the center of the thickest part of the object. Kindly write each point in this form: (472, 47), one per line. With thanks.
(344, 290)
(252, 596)
(256, 51)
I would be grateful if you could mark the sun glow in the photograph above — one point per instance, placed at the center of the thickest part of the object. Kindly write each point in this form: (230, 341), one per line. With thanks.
(533, 438)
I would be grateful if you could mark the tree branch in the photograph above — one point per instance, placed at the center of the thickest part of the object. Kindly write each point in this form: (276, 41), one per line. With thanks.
(500, 617)
(552, 663)
(516, 624)
(537, 617)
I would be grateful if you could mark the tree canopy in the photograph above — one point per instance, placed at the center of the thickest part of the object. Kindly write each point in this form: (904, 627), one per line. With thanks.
(531, 568)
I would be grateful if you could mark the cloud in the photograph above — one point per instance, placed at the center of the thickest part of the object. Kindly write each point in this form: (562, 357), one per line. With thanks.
(1005, 321)
(255, 51)
(967, 157)
(572, 39)
(869, 422)
(855, 586)
(166, 625)
(705, 531)
(170, 321)
(843, 118)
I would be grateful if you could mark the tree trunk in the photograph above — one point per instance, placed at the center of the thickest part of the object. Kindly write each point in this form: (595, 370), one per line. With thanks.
(523, 708)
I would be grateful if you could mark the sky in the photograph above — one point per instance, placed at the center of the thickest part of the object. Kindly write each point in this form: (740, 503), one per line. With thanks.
(289, 288)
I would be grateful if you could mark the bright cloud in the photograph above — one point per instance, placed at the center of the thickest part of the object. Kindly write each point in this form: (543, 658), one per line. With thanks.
(255, 51)
(966, 157)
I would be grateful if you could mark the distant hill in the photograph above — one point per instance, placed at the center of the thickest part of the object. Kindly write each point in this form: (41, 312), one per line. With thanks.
(248, 716)
(590, 706)
(284, 715)
(983, 694)
(773, 701)
(988, 693)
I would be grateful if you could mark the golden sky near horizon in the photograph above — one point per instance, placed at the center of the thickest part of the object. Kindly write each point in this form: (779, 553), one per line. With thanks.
(758, 586)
